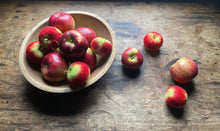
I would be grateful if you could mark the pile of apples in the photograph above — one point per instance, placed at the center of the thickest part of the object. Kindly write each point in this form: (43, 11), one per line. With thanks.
(66, 53)
(183, 71)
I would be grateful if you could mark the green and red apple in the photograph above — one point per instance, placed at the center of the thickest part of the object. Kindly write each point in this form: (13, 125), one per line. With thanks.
(132, 58)
(34, 52)
(176, 97)
(101, 46)
(49, 37)
(78, 73)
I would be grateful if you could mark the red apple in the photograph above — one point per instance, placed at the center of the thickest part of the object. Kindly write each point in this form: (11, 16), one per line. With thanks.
(87, 32)
(132, 58)
(184, 70)
(49, 37)
(176, 96)
(153, 41)
(62, 21)
(101, 46)
(89, 58)
(73, 45)
(53, 67)
(78, 73)
(34, 53)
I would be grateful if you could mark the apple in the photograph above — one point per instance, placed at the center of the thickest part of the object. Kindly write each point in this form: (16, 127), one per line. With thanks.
(176, 96)
(53, 67)
(87, 32)
(132, 58)
(101, 46)
(62, 21)
(153, 41)
(89, 58)
(34, 52)
(73, 45)
(49, 37)
(78, 73)
(184, 70)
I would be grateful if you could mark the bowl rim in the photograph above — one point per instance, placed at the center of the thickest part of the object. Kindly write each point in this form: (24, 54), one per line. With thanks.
(63, 89)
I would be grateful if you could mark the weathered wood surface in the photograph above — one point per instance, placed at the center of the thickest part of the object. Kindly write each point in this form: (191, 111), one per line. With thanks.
(120, 100)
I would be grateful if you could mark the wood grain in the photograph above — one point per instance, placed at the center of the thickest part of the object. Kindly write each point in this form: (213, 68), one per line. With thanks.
(121, 99)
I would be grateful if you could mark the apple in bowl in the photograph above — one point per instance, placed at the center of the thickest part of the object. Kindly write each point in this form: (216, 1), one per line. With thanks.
(34, 52)
(53, 67)
(62, 20)
(89, 58)
(73, 45)
(49, 37)
(101, 46)
(78, 73)
(87, 32)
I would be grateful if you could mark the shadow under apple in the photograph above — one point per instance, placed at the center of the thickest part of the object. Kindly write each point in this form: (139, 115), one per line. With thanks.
(155, 53)
(131, 73)
(177, 113)
(188, 87)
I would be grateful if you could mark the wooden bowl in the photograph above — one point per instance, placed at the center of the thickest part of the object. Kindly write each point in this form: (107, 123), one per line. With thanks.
(82, 19)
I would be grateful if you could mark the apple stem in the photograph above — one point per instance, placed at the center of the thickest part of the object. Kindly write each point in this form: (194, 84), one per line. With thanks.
(154, 36)
(132, 56)
(66, 71)
(46, 39)
(46, 67)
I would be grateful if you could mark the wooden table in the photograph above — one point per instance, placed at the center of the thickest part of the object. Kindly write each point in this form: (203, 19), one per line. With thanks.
(121, 99)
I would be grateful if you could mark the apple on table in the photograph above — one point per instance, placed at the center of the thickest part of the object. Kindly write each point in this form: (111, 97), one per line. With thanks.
(132, 58)
(184, 70)
(153, 41)
(176, 97)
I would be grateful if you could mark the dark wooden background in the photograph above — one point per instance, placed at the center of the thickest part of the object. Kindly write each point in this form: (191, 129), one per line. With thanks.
(121, 99)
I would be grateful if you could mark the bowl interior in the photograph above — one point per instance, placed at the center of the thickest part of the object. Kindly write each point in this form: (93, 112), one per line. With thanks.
(82, 19)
